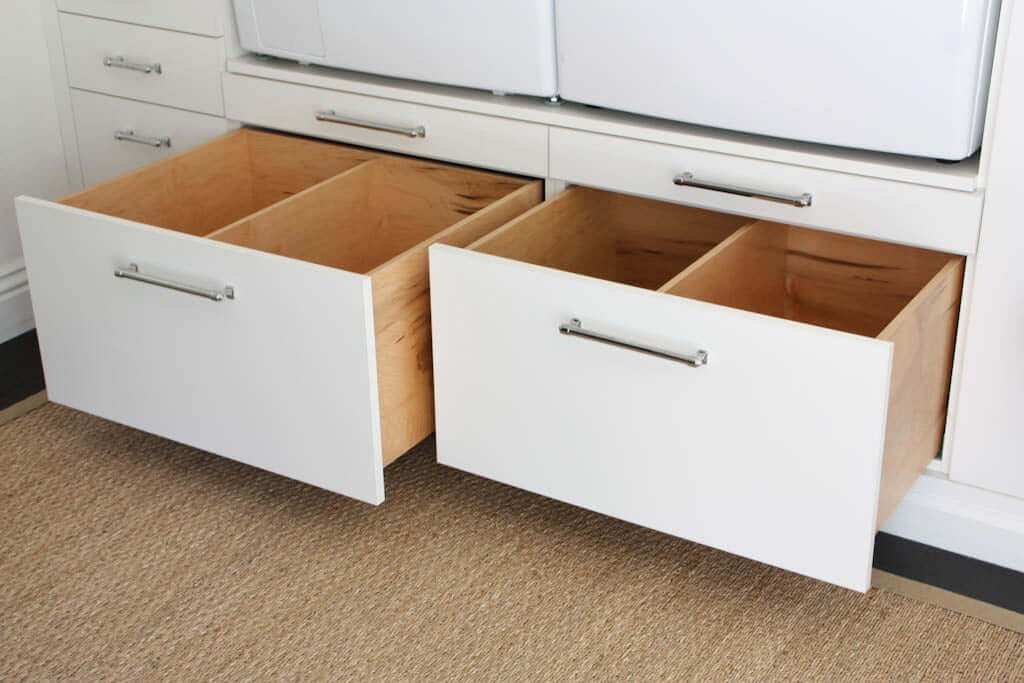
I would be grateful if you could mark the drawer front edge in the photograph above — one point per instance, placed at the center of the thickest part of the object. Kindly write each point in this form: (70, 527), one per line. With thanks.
(189, 65)
(473, 139)
(934, 218)
(282, 377)
(772, 451)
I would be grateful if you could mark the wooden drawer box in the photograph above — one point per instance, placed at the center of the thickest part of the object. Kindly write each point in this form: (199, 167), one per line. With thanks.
(261, 296)
(163, 67)
(765, 389)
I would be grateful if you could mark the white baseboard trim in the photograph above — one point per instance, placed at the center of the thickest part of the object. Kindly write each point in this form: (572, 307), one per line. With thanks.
(15, 305)
(962, 519)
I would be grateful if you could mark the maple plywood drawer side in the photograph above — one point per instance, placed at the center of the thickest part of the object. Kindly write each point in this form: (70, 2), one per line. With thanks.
(765, 389)
(262, 297)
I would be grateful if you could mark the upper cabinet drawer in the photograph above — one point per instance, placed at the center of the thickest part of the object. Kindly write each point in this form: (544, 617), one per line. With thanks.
(765, 389)
(262, 297)
(194, 16)
(116, 135)
(473, 139)
(857, 205)
(153, 65)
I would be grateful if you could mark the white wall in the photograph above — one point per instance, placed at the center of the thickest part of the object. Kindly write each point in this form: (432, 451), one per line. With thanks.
(31, 152)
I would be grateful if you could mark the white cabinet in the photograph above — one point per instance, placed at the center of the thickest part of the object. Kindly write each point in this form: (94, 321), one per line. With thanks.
(116, 135)
(262, 297)
(154, 65)
(405, 127)
(989, 431)
(769, 390)
(144, 77)
(205, 17)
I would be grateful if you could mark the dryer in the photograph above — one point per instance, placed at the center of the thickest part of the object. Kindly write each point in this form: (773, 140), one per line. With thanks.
(506, 46)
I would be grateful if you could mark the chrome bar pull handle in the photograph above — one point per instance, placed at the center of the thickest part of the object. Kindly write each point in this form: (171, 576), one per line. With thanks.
(688, 180)
(130, 136)
(575, 328)
(132, 273)
(122, 63)
(331, 116)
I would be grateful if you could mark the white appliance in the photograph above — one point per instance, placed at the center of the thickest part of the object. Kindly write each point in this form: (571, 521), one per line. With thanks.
(506, 46)
(909, 77)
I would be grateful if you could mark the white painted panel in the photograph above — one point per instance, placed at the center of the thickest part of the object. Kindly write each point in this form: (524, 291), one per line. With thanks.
(901, 168)
(190, 65)
(31, 147)
(772, 451)
(99, 117)
(988, 444)
(283, 377)
(486, 141)
(945, 220)
(506, 46)
(194, 16)
(907, 77)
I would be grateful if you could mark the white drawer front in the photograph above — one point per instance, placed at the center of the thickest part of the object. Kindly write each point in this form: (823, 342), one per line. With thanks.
(282, 377)
(731, 455)
(189, 66)
(194, 16)
(449, 135)
(945, 220)
(99, 119)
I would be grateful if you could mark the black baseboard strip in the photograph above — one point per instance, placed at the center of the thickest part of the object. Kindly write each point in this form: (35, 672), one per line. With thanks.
(21, 369)
(959, 574)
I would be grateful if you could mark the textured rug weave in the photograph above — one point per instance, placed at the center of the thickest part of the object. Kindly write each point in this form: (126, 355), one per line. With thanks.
(127, 557)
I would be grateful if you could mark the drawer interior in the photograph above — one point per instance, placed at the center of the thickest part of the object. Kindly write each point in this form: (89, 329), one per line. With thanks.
(903, 295)
(337, 206)
(218, 183)
(363, 218)
(616, 237)
(851, 284)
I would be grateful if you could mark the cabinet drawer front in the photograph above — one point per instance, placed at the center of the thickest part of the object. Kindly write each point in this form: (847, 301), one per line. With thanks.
(934, 218)
(110, 57)
(194, 16)
(771, 450)
(156, 132)
(282, 377)
(449, 135)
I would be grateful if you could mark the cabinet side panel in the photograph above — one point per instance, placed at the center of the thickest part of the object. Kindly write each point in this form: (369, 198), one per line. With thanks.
(924, 335)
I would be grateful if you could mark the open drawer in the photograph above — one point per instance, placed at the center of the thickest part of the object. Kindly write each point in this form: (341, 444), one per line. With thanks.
(263, 297)
(768, 390)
